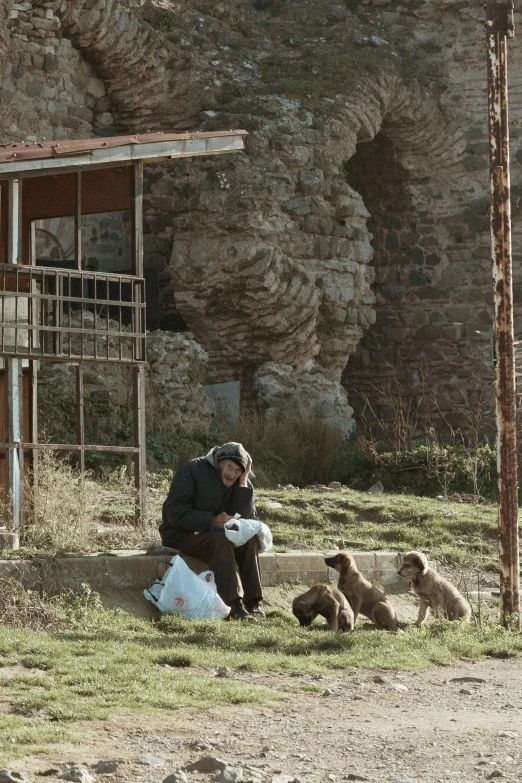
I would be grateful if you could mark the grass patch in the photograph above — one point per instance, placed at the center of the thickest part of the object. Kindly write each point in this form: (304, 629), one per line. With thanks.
(98, 515)
(108, 662)
(26, 608)
(131, 668)
(62, 506)
(280, 645)
(315, 77)
(460, 533)
(20, 737)
(175, 660)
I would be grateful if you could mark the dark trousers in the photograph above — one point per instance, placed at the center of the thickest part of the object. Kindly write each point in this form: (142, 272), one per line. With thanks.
(236, 569)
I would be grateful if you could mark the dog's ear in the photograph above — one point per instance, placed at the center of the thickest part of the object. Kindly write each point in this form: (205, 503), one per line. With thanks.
(420, 561)
(298, 604)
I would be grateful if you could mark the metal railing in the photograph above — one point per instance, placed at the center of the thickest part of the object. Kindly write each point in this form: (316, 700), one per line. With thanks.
(50, 313)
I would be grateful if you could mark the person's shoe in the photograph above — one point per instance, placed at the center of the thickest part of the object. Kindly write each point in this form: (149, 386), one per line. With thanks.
(255, 609)
(238, 611)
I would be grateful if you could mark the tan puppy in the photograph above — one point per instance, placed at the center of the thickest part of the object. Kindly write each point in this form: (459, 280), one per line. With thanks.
(434, 592)
(327, 601)
(362, 596)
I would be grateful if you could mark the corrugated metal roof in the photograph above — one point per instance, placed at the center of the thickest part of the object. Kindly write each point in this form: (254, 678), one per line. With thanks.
(39, 150)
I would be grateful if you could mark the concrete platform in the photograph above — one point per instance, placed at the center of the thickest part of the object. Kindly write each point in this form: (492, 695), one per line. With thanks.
(121, 576)
(309, 568)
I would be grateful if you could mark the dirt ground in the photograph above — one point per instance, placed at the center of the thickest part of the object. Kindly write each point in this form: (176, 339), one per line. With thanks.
(462, 722)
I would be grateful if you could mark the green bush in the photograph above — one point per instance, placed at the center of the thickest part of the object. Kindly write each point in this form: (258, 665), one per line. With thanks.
(229, 91)
(170, 450)
(430, 468)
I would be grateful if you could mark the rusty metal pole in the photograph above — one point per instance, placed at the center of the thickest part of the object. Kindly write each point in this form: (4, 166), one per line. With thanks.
(499, 27)
(138, 372)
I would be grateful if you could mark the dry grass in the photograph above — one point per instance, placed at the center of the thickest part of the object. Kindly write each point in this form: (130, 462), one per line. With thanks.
(65, 508)
(21, 608)
(300, 450)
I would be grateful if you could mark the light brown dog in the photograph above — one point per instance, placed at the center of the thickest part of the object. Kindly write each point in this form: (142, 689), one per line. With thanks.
(327, 601)
(362, 596)
(434, 592)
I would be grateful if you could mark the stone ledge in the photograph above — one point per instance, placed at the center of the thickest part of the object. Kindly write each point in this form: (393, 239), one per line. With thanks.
(121, 576)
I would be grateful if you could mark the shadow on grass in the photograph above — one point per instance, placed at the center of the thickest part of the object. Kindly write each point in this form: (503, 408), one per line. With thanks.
(268, 647)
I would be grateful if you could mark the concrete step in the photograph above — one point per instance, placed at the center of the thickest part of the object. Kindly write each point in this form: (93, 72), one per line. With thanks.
(121, 575)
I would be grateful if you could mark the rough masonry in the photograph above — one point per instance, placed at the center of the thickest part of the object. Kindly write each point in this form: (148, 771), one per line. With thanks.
(347, 252)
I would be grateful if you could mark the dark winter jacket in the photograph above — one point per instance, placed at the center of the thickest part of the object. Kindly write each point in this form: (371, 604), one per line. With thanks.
(197, 494)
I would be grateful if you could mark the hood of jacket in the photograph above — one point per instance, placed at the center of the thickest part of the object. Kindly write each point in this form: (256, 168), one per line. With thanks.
(232, 447)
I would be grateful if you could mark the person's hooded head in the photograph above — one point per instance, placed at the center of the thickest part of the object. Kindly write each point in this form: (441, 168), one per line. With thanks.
(231, 459)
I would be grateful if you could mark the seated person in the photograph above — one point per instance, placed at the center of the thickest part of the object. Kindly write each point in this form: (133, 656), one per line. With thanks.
(204, 495)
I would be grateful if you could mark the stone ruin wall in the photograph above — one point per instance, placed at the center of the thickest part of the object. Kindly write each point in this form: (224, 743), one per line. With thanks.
(432, 245)
(349, 247)
(50, 91)
(47, 90)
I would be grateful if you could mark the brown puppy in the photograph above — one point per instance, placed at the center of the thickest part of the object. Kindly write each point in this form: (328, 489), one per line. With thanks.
(362, 596)
(434, 592)
(327, 601)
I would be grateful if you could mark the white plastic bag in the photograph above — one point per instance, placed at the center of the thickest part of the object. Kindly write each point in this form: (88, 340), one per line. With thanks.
(247, 529)
(191, 595)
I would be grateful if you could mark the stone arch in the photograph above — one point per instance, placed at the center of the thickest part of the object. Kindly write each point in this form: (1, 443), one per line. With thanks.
(418, 223)
(136, 63)
(376, 172)
(272, 265)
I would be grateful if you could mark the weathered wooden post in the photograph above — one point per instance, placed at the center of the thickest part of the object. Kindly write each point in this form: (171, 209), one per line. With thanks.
(499, 27)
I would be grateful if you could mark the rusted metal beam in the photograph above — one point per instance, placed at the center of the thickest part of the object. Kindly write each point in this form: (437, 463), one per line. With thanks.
(4, 445)
(138, 372)
(15, 488)
(80, 418)
(499, 27)
(78, 221)
(137, 220)
(14, 223)
(33, 433)
(32, 159)
(140, 453)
